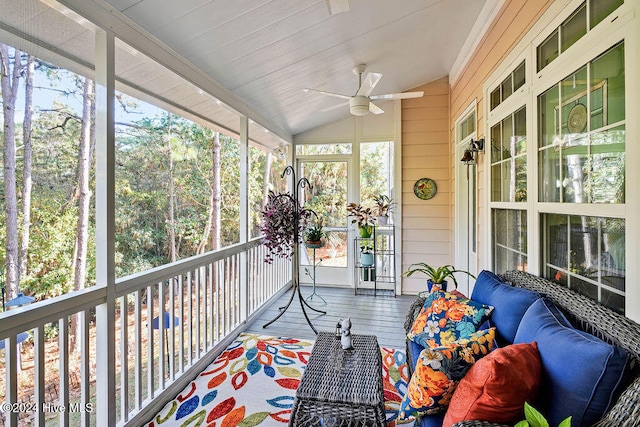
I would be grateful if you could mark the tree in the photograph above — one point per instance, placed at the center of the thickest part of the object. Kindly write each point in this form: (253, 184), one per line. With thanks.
(212, 228)
(83, 196)
(27, 180)
(10, 80)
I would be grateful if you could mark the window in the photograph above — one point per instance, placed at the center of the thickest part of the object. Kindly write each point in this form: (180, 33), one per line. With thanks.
(510, 240)
(573, 29)
(509, 158)
(509, 85)
(322, 149)
(576, 227)
(582, 134)
(586, 254)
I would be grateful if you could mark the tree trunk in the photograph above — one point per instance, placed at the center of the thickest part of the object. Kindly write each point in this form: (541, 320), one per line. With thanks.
(267, 178)
(27, 181)
(213, 218)
(84, 202)
(172, 220)
(216, 193)
(9, 82)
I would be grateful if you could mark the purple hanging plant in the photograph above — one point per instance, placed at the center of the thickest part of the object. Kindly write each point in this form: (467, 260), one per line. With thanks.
(279, 225)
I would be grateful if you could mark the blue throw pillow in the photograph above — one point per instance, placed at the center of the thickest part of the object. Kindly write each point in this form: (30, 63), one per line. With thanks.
(510, 303)
(580, 373)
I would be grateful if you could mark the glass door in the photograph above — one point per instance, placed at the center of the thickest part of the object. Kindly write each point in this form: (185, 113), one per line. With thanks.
(328, 199)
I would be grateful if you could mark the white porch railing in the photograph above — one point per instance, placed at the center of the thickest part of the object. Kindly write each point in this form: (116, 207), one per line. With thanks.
(170, 323)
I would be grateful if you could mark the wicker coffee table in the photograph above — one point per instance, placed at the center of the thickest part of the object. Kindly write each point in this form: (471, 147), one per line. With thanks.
(341, 387)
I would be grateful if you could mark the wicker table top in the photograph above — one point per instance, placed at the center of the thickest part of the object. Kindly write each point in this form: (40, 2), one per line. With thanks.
(346, 381)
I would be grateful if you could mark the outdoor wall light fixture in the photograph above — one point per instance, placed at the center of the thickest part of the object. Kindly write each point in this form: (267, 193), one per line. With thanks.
(470, 156)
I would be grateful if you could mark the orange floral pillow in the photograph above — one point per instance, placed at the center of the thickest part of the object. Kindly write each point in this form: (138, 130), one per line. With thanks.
(439, 370)
(446, 318)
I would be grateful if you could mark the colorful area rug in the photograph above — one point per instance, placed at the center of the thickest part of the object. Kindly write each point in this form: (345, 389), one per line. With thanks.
(253, 383)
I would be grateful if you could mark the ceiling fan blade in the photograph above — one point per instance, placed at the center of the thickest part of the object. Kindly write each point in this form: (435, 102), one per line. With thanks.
(368, 83)
(337, 6)
(337, 95)
(375, 109)
(404, 95)
(334, 107)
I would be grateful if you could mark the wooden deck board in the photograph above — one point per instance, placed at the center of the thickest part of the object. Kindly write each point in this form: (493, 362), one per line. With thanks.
(382, 316)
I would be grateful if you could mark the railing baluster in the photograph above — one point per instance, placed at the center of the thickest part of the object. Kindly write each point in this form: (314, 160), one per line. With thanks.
(190, 310)
(38, 372)
(197, 316)
(124, 360)
(85, 368)
(161, 334)
(172, 328)
(217, 300)
(63, 350)
(182, 322)
(150, 355)
(138, 352)
(212, 296)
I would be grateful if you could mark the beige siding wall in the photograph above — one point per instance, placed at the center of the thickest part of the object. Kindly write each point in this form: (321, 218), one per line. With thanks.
(509, 26)
(428, 145)
(426, 234)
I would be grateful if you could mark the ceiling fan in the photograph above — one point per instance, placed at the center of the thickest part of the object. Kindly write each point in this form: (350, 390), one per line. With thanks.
(360, 104)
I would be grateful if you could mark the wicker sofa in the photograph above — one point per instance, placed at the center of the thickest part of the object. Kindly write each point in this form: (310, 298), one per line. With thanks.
(588, 316)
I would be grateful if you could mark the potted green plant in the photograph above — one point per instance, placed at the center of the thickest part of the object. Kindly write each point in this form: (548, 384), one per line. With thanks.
(366, 254)
(436, 275)
(363, 217)
(536, 419)
(314, 235)
(383, 208)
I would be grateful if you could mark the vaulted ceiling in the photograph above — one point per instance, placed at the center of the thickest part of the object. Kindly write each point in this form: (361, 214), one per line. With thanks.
(261, 53)
(267, 51)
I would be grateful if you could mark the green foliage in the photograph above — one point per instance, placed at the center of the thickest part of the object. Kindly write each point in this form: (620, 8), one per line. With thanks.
(315, 232)
(436, 274)
(536, 419)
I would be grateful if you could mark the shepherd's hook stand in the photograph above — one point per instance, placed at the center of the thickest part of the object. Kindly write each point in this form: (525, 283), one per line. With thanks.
(313, 276)
(297, 185)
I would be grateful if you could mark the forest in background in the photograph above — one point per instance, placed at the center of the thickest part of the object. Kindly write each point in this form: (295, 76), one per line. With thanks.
(177, 182)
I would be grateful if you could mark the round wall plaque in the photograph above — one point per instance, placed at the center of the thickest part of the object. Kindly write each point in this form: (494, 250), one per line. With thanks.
(577, 121)
(425, 188)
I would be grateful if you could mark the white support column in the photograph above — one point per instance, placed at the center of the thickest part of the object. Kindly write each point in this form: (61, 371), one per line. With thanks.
(243, 280)
(105, 228)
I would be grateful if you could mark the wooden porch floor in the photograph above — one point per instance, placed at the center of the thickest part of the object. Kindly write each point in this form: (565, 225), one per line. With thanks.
(382, 316)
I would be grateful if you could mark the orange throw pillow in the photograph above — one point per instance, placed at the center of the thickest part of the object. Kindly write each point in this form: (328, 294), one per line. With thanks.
(496, 386)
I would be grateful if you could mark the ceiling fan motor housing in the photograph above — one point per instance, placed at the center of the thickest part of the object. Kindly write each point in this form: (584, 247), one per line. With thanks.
(359, 105)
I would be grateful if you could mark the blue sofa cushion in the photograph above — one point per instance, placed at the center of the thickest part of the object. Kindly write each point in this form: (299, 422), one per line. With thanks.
(580, 373)
(510, 303)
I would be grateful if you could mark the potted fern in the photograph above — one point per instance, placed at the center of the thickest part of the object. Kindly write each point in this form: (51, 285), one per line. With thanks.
(436, 275)
(314, 235)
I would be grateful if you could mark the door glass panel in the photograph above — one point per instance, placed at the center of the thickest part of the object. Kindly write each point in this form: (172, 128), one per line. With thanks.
(376, 171)
(328, 199)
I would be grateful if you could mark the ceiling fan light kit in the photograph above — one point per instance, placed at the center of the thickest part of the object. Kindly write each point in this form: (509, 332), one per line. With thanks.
(360, 104)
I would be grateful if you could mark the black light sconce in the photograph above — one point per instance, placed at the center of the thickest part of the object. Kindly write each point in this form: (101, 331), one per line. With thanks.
(470, 156)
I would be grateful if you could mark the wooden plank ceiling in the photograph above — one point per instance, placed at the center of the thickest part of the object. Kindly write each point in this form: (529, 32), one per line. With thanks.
(267, 51)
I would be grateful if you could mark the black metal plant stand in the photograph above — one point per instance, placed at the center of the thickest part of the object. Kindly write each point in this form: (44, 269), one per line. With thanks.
(297, 185)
